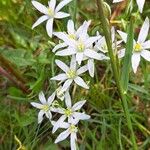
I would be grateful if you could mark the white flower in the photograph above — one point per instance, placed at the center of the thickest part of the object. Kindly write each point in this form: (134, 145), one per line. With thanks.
(45, 106)
(71, 33)
(81, 47)
(71, 112)
(71, 74)
(50, 13)
(60, 93)
(101, 44)
(140, 4)
(71, 130)
(139, 47)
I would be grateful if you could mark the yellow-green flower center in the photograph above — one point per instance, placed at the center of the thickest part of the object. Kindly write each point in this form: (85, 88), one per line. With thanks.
(45, 107)
(137, 47)
(71, 74)
(80, 47)
(72, 36)
(50, 12)
(68, 112)
(73, 128)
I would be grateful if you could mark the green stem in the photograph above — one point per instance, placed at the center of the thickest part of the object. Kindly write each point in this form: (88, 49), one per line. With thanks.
(107, 34)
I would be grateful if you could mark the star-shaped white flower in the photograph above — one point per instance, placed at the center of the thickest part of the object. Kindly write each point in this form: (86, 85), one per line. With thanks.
(70, 112)
(70, 74)
(140, 4)
(45, 106)
(81, 46)
(71, 130)
(50, 13)
(72, 33)
(139, 47)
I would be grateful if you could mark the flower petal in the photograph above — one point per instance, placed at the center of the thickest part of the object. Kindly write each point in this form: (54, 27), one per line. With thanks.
(62, 136)
(81, 116)
(73, 139)
(49, 115)
(58, 123)
(70, 27)
(144, 31)
(145, 54)
(123, 35)
(42, 98)
(49, 27)
(62, 4)
(63, 125)
(58, 46)
(78, 80)
(62, 65)
(61, 15)
(146, 45)
(135, 61)
(67, 100)
(92, 54)
(90, 66)
(40, 7)
(40, 116)
(116, 1)
(52, 4)
(91, 40)
(73, 63)
(60, 77)
(121, 53)
(51, 98)
(66, 52)
(82, 70)
(67, 84)
(78, 105)
(40, 20)
(36, 105)
(79, 57)
(140, 4)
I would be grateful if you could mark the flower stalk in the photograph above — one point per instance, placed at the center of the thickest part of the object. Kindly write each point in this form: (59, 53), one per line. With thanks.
(106, 29)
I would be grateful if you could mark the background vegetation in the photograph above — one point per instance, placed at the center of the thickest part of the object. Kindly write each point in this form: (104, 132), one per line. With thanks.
(27, 63)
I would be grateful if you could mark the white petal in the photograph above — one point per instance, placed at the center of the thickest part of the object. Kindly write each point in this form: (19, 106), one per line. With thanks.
(40, 116)
(79, 57)
(36, 105)
(67, 100)
(66, 52)
(51, 98)
(58, 46)
(90, 66)
(145, 54)
(62, 4)
(48, 115)
(121, 53)
(52, 4)
(81, 116)
(42, 98)
(116, 1)
(82, 70)
(67, 84)
(146, 45)
(135, 61)
(92, 54)
(78, 105)
(73, 63)
(40, 7)
(91, 40)
(58, 123)
(73, 141)
(40, 20)
(62, 65)
(63, 125)
(61, 15)
(144, 31)
(78, 80)
(49, 27)
(123, 35)
(70, 27)
(140, 4)
(60, 77)
(63, 135)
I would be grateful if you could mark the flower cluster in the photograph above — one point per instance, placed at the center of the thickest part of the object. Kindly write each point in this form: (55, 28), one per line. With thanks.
(82, 49)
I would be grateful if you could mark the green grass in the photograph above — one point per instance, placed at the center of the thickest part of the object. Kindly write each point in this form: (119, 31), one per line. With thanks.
(29, 53)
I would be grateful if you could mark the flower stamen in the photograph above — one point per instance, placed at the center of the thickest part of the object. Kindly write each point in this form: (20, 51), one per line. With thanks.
(137, 47)
(71, 74)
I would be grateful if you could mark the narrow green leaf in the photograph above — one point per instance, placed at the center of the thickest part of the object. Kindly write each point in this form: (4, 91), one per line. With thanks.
(127, 58)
